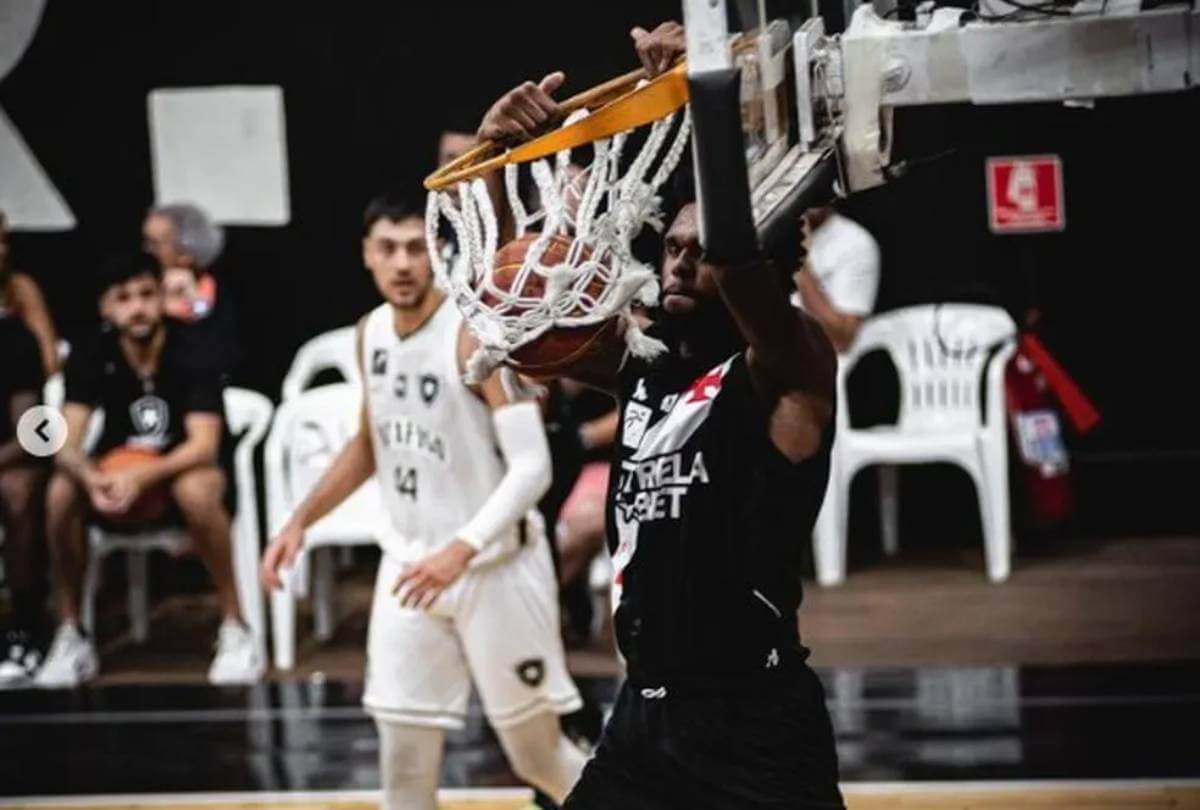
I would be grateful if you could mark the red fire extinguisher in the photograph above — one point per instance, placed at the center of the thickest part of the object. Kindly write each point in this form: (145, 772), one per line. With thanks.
(1035, 387)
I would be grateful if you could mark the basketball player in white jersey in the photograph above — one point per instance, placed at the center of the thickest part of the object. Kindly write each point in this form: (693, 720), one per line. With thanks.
(465, 589)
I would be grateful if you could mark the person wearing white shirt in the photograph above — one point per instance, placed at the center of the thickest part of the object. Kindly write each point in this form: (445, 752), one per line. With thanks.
(839, 279)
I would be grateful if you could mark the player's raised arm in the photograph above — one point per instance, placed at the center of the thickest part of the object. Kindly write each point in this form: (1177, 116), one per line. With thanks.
(790, 359)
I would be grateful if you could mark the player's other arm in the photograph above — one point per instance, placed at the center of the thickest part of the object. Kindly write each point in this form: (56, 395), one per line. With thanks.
(522, 440)
(792, 363)
(350, 468)
(521, 436)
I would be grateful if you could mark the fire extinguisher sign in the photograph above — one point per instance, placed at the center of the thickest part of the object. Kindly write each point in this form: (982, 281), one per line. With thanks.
(1025, 194)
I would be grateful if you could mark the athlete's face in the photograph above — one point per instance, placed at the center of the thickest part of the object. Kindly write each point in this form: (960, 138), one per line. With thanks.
(395, 254)
(134, 307)
(688, 284)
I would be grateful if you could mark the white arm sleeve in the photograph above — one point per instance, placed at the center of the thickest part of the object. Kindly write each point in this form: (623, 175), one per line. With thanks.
(522, 440)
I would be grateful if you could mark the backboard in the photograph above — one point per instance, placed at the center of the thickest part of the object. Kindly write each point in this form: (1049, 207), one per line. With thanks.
(767, 94)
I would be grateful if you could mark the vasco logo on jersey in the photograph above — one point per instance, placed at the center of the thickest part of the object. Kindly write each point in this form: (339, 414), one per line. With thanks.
(654, 479)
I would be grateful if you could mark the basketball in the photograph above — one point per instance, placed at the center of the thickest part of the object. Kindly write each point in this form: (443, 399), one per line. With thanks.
(152, 503)
(562, 347)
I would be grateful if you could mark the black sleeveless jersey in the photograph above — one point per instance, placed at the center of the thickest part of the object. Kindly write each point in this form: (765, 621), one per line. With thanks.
(707, 525)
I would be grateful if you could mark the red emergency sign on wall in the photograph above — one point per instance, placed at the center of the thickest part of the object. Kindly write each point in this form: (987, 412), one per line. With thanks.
(1025, 194)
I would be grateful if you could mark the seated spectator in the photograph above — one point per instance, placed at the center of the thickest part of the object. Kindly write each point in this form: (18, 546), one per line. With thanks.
(21, 299)
(187, 244)
(21, 479)
(160, 391)
(838, 283)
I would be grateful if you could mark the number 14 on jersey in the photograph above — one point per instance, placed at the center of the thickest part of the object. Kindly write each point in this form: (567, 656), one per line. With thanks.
(406, 481)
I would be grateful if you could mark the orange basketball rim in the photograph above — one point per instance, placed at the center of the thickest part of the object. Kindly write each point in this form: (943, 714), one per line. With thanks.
(616, 106)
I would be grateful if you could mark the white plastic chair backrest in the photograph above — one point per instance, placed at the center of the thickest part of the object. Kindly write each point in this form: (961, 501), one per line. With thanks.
(308, 431)
(331, 350)
(248, 414)
(939, 351)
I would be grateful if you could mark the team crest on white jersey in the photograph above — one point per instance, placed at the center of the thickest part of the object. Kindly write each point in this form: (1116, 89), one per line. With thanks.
(429, 388)
(379, 361)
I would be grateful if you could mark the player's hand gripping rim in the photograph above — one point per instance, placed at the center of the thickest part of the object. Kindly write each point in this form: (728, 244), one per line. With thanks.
(524, 112)
(658, 49)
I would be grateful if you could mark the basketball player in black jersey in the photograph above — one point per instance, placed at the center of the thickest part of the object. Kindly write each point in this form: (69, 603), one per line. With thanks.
(720, 468)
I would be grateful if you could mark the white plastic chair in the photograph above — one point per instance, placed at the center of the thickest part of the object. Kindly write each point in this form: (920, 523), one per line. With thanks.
(330, 350)
(308, 432)
(249, 416)
(942, 354)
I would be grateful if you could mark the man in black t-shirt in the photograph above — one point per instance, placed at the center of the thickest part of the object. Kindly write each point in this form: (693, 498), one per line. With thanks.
(21, 479)
(160, 391)
(720, 466)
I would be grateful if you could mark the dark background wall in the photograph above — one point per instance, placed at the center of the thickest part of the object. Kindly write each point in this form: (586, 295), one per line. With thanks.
(368, 85)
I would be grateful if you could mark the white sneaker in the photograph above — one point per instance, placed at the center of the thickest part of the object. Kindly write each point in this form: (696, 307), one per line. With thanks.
(70, 662)
(237, 659)
(21, 661)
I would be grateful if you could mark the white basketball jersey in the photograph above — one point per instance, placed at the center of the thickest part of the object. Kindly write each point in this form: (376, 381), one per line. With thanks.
(436, 455)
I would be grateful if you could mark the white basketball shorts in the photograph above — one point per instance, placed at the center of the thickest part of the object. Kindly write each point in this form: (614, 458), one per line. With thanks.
(498, 626)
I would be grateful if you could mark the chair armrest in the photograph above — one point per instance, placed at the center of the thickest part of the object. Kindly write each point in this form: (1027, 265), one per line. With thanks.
(278, 506)
(995, 382)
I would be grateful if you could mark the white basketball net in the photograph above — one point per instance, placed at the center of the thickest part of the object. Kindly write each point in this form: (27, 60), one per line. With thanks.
(599, 210)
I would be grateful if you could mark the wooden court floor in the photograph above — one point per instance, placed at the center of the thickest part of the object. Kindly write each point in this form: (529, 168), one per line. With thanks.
(938, 796)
